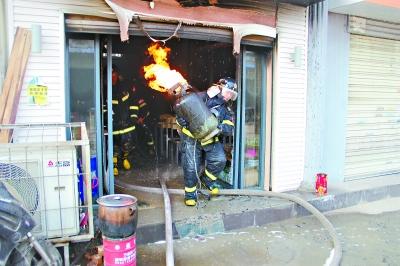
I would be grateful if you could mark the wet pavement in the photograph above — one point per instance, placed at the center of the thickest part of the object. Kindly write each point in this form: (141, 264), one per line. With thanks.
(370, 235)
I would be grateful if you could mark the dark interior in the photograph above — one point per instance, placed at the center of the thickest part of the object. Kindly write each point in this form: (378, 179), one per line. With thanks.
(200, 62)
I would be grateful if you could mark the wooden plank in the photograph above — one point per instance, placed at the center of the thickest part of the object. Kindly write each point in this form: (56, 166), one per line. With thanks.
(8, 78)
(19, 73)
(15, 75)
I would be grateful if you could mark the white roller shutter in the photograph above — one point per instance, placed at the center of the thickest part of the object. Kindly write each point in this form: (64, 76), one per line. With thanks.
(373, 119)
(374, 28)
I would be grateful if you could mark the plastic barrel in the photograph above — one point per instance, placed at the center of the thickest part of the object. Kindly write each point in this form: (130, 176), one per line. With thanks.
(120, 251)
(95, 177)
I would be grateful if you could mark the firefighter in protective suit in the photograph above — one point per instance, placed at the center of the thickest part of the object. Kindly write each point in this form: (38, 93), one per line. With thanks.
(144, 119)
(215, 99)
(125, 115)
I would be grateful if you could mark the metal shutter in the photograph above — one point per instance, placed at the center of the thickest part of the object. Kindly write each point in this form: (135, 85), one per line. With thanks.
(373, 116)
(374, 28)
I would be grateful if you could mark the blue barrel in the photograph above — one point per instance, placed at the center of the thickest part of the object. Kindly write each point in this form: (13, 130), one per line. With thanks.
(94, 177)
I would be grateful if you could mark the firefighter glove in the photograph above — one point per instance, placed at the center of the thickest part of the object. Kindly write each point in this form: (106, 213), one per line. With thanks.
(182, 122)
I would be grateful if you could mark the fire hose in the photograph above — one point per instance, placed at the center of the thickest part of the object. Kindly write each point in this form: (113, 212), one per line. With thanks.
(334, 258)
(203, 125)
(168, 225)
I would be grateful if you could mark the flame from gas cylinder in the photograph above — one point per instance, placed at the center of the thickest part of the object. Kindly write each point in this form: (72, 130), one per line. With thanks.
(159, 75)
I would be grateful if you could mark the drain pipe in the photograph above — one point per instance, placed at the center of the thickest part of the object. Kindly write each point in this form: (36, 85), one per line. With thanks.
(334, 259)
(169, 252)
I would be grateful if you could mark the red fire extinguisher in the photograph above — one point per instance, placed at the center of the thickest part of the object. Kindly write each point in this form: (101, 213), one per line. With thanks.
(321, 184)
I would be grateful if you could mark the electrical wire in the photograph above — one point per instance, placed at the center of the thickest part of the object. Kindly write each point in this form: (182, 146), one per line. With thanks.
(140, 24)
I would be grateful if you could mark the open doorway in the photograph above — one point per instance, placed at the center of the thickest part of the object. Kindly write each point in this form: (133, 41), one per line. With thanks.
(144, 130)
(156, 141)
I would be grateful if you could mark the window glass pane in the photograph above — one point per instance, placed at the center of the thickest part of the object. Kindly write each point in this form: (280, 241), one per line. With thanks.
(82, 86)
(252, 115)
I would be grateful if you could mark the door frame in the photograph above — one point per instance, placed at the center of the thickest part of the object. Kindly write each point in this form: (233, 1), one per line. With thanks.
(266, 119)
(99, 129)
(198, 33)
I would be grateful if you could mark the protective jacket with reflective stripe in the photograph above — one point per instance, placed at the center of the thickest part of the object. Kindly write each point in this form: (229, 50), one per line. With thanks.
(125, 112)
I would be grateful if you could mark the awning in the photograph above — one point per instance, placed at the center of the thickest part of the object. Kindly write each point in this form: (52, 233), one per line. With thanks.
(242, 22)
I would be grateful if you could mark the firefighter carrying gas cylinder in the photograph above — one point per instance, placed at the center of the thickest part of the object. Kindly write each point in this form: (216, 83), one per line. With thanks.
(124, 115)
(215, 98)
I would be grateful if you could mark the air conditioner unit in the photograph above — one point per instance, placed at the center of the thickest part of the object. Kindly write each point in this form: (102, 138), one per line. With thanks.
(45, 178)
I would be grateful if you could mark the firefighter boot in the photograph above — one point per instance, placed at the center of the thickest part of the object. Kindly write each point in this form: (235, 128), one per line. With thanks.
(127, 164)
(191, 196)
(115, 161)
(210, 182)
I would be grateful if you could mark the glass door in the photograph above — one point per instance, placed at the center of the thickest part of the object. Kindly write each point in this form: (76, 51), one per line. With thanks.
(253, 117)
(82, 96)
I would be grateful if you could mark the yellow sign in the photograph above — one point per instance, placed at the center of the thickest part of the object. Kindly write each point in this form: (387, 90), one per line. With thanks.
(38, 93)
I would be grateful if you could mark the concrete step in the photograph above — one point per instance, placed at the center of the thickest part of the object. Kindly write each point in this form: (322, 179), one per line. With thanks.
(222, 213)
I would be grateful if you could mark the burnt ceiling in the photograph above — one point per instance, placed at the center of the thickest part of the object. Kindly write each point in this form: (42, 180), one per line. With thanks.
(245, 4)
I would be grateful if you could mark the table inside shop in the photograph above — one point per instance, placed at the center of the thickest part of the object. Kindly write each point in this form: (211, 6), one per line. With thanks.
(168, 138)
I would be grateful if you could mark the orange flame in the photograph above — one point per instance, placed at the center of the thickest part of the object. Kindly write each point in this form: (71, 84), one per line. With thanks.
(159, 75)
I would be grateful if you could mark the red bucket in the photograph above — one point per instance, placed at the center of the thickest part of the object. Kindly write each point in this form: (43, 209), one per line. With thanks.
(120, 251)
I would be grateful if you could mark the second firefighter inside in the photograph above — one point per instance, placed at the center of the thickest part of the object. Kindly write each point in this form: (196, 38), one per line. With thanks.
(125, 114)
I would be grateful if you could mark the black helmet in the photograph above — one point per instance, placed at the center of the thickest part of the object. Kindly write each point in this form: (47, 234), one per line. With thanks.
(228, 83)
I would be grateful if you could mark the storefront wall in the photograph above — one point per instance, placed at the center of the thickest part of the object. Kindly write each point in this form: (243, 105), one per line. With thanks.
(359, 103)
(289, 82)
(289, 99)
(48, 64)
(3, 44)
(335, 103)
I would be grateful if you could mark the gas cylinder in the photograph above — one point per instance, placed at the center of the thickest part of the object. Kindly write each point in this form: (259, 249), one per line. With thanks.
(201, 122)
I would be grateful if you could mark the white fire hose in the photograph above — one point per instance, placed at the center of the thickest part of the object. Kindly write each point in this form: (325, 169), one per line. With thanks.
(169, 252)
(333, 260)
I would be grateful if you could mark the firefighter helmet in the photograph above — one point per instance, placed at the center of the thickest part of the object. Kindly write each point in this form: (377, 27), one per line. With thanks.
(230, 85)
